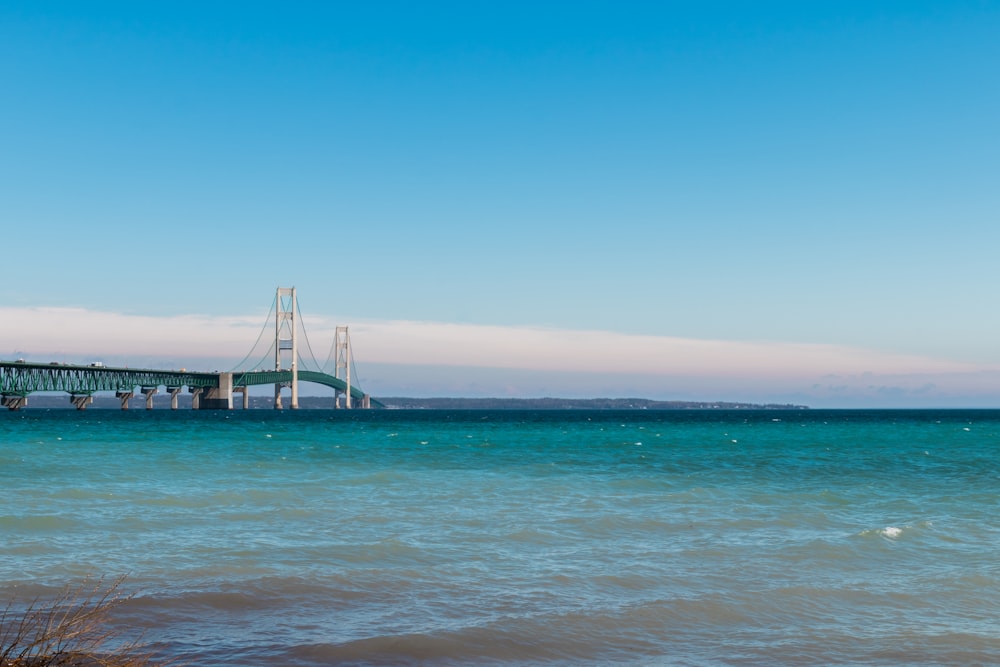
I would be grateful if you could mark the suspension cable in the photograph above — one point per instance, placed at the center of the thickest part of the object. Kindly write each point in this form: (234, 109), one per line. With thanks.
(268, 354)
(267, 320)
(354, 370)
(326, 364)
(305, 334)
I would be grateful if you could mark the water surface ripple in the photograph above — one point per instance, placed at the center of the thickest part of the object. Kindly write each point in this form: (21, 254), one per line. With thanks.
(518, 537)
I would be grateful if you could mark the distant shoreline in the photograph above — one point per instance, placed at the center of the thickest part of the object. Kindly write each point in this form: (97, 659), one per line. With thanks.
(575, 404)
(106, 402)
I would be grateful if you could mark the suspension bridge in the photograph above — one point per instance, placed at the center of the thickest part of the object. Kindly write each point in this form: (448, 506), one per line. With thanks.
(209, 390)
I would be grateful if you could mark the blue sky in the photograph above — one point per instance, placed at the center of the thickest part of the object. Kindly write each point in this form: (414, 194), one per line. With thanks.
(759, 173)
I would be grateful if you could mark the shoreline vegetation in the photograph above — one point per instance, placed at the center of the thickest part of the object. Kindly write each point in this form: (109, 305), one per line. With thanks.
(72, 630)
(574, 404)
(107, 402)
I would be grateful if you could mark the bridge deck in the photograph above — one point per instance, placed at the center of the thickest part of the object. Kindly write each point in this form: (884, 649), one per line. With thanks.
(18, 379)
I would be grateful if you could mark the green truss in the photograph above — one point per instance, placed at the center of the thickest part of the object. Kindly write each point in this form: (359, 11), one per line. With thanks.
(23, 378)
(19, 378)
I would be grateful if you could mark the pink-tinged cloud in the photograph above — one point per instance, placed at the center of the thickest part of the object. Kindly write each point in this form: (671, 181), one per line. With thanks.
(72, 332)
(431, 343)
(430, 358)
(69, 332)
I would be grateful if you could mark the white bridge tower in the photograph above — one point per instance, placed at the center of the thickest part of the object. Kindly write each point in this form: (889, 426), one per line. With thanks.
(343, 356)
(285, 340)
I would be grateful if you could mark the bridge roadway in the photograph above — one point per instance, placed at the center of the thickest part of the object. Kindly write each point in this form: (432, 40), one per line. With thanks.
(210, 390)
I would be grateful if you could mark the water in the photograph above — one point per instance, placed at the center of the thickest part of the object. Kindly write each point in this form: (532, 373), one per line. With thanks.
(518, 538)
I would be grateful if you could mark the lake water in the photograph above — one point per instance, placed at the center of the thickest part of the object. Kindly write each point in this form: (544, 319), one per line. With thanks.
(516, 537)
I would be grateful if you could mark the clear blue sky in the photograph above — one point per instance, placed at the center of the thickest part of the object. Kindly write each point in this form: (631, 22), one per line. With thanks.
(807, 172)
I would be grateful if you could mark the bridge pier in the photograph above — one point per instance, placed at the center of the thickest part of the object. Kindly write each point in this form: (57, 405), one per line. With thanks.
(220, 397)
(246, 396)
(148, 392)
(13, 401)
(365, 403)
(195, 397)
(294, 404)
(81, 401)
(125, 397)
(173, 391)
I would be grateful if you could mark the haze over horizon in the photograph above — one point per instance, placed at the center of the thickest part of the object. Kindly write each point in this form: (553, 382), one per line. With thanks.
(760, 202)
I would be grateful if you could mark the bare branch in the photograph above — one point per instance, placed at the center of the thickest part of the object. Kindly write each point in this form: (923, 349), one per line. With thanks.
(73, 630)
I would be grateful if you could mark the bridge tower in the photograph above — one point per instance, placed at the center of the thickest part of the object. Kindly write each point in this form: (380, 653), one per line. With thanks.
(343, 356)
(285, 340)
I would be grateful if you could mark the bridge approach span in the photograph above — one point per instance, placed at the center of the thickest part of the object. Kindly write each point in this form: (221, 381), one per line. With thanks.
(211, 390)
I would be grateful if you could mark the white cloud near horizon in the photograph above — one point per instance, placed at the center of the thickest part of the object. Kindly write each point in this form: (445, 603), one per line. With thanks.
(429, 343)
(435, 359)
(71, 333)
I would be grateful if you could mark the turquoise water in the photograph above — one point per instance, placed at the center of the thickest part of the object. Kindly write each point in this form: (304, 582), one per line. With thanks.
(518, 538)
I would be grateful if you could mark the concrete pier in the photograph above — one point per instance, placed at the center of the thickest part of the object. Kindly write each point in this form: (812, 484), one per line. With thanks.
(81, 401)
(13, 402)
(246, 396)
(148, 393)
(221, 397)
(173, 391)
(125, 397)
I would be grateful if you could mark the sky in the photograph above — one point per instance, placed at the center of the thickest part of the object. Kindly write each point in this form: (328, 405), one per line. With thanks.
(713, 200)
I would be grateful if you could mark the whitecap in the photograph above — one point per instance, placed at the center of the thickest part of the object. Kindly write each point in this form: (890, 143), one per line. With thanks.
(892, 532)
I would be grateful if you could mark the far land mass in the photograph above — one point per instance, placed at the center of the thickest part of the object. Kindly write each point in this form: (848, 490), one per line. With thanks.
(574, 404)
(61, 401)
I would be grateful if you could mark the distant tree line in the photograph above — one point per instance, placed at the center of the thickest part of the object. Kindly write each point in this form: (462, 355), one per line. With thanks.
(574, 404)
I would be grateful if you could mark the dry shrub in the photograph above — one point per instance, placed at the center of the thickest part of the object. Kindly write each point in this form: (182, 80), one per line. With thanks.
(70, 631)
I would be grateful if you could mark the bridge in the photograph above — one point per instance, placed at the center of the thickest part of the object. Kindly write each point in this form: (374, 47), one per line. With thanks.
(209, 390)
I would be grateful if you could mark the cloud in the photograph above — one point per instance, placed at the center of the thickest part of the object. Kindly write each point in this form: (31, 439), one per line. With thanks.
(68, 332)
(609, 352)
(74, 331)
(432, 358)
